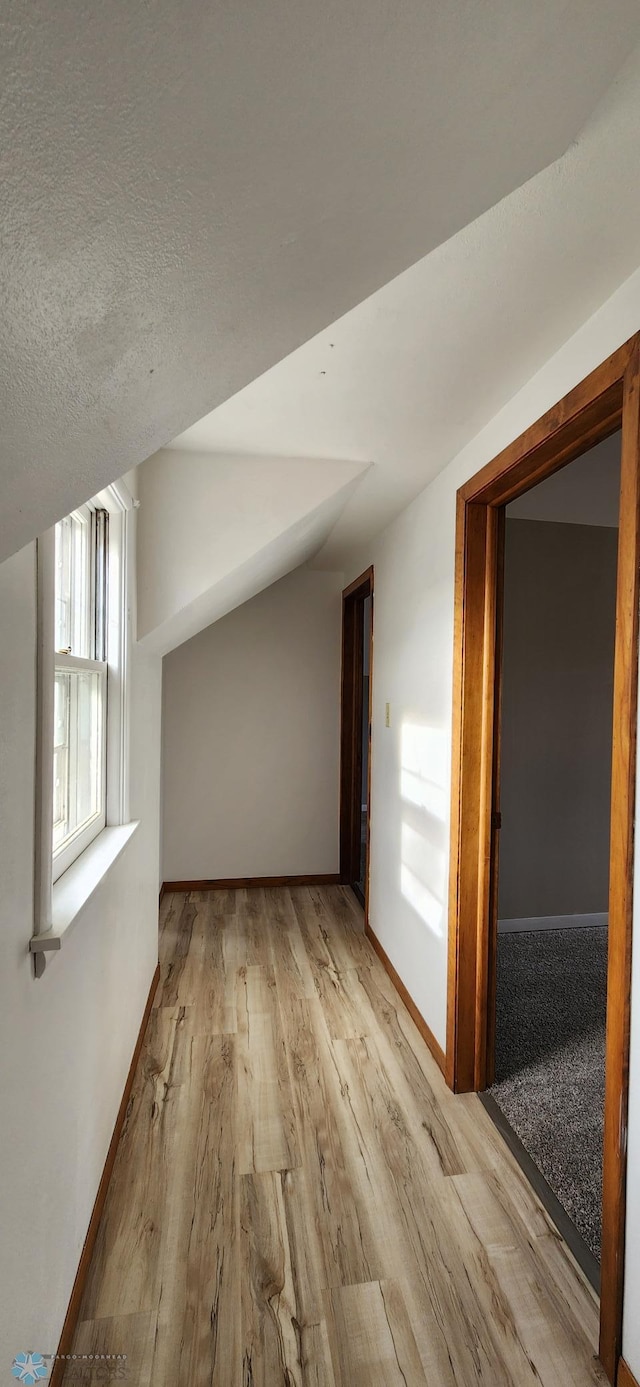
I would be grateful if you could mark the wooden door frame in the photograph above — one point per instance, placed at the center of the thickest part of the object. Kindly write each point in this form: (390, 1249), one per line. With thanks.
(608, 399)
(352, 711)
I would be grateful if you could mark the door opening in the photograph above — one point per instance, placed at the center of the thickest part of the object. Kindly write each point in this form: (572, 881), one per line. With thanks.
(355, 768)
(547, 1067)
(609, 399)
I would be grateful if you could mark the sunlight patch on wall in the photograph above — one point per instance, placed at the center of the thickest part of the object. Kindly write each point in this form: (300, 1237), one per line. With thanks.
(422, 878)
(423, 769)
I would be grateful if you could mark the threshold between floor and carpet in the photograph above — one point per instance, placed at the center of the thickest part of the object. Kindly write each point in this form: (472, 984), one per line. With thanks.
(550, 1061)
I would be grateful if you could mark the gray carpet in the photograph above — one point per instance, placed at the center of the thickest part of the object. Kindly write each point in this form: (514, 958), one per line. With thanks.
(552, 991)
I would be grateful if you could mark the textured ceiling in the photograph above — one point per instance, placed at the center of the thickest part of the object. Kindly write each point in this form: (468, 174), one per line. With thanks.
(409, 376)
(191, 191)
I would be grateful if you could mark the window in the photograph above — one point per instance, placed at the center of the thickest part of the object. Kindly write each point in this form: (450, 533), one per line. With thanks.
(81, 685)
(82, 745)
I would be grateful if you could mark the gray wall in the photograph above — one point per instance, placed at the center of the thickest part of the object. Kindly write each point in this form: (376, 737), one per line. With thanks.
(559, 627)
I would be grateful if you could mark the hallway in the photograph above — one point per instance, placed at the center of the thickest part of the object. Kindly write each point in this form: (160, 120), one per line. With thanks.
(297, 1198)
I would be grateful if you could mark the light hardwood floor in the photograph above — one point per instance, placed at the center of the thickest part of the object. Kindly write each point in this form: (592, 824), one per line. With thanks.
(298, 1199)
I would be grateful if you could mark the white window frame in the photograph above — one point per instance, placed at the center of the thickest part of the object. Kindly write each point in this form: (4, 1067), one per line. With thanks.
(56, 903)
(76, 843)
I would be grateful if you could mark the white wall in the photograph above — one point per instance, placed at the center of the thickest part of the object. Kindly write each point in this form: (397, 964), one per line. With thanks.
(251, 722)
(66, 1039)
(413, 659)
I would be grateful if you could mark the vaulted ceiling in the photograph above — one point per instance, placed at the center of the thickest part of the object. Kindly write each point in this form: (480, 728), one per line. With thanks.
(406, 379)
(214, 532)
(191, 192)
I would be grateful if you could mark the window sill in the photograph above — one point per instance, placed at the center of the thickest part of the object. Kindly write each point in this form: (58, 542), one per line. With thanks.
(74, 889)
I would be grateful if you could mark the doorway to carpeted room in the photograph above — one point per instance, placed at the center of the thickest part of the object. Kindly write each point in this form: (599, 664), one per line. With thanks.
(550, 1043)
(558, 635)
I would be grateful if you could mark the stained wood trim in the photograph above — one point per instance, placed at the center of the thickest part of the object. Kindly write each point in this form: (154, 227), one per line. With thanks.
(416, 1016)
(369, 739)
(162, 893)
(625, 1376)
(608, 398)
(71, 1317)
(488, 1049)
(364, 582)
(234, 883)
(472, 778)
(586, 415)
(623, 784)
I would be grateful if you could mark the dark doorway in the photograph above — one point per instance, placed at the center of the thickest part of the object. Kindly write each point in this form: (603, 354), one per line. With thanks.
(355, 770)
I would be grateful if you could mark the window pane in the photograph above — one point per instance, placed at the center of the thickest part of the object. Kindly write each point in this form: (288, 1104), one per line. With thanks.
(78, 752)
(81, 586)
(60, 759)
(63, 585)
(101, 530)
(88, 779)
(73, 584)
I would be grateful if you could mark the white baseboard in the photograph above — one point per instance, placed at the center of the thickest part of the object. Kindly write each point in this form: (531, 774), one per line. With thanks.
(539, 922)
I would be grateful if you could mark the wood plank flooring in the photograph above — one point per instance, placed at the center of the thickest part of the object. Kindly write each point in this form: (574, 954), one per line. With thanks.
(297, 1197)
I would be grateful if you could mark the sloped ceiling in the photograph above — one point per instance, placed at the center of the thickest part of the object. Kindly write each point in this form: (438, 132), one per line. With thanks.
(212, 532)
(409, 376)
(192, 191)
